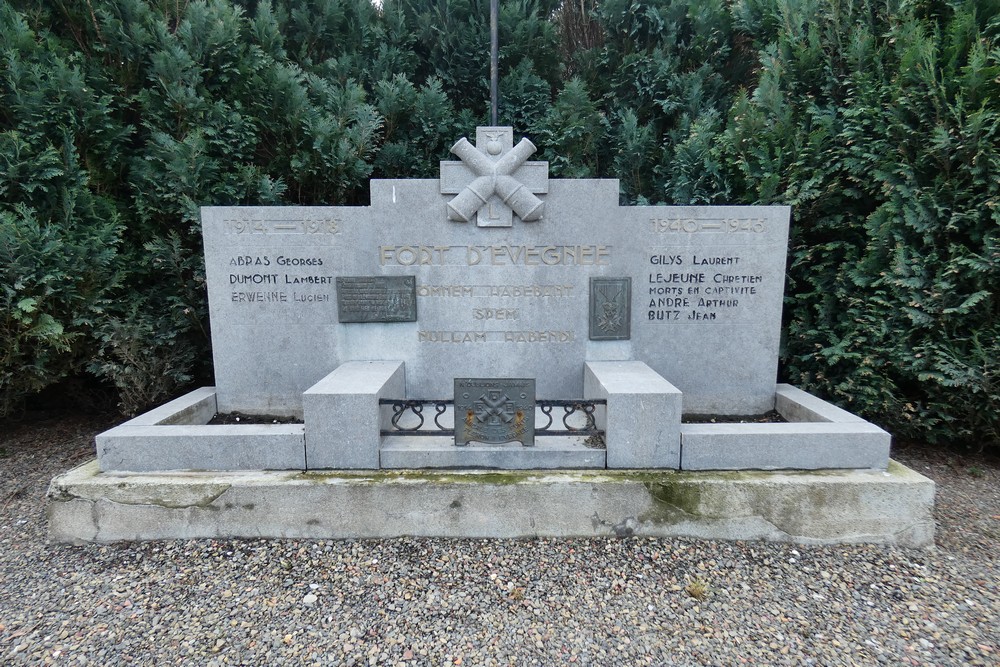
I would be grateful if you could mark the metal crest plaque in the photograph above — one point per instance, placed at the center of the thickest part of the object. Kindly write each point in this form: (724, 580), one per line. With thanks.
(610, 308)
(377, 299)
(494, 411)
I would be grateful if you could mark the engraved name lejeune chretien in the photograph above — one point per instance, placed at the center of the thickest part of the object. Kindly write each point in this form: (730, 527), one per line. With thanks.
(688, 287)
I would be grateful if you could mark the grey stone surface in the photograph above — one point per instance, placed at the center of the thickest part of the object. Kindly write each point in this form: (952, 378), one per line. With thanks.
(805, 446)
(643, 415)
(344, 417)
(174, 436)
(193, 408)
(796, 405)
(644, 432)
(229, 447)
(707, 287)
(891, 507)
(401, 452)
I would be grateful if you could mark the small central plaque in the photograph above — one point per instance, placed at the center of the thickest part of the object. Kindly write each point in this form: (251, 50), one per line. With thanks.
(494, 411)
(610, 308)
(377, 299)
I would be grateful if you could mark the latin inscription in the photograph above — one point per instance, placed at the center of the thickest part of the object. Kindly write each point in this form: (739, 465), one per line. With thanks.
(495, 312)
(516, 291)
(496, 336)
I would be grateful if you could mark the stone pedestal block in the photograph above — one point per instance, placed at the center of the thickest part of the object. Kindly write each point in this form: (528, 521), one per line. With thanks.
(643, 416)
(344, 416)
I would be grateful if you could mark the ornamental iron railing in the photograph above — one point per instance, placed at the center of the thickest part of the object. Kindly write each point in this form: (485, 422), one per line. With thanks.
(410, 417)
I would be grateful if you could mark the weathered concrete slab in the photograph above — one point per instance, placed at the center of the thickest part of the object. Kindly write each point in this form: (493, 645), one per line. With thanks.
(344, 416)
(643, 415)
(890, 507)
(416, 452)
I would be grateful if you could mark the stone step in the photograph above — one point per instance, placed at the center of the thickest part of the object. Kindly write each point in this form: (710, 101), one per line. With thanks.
(402, 452)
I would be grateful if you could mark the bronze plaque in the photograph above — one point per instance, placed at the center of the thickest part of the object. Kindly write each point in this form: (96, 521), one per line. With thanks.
(377, 299)
(494, 410)
(610, 308)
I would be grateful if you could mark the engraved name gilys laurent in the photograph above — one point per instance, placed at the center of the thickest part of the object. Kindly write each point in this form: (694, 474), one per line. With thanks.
(696, 260)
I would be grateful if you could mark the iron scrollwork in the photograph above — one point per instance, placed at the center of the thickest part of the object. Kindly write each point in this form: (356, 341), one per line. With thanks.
(574, 411)
(416, 408)
(584, 408)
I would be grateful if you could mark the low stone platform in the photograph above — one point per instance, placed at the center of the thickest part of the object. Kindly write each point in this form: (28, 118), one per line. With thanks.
(810, 507)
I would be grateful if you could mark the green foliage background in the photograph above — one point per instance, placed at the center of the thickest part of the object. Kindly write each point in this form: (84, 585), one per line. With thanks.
(879, 122)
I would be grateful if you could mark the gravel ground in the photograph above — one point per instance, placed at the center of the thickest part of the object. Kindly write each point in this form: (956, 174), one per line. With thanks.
(503, 602)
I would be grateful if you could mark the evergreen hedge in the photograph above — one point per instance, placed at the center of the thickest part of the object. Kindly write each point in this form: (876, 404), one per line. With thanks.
(877, 121)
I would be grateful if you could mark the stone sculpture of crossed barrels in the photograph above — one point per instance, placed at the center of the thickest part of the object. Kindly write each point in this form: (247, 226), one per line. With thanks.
(494, 178)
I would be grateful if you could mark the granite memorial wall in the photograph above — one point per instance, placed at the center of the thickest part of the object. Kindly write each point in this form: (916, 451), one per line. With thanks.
(447, 276)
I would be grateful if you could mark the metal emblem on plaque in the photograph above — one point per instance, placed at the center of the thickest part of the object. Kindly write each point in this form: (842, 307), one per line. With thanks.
(377, 299)
(610, 308)
(494, 411)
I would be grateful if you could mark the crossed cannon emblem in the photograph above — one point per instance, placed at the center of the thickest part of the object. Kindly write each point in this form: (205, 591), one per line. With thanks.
(494, 407)
(494, 177)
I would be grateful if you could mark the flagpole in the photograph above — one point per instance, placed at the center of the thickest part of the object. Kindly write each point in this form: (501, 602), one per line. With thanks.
(494, 59)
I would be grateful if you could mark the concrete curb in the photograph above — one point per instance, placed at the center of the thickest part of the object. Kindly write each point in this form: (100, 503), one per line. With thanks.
(817, 507)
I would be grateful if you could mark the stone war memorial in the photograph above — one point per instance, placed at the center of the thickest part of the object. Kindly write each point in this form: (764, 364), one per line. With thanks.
(494, 353)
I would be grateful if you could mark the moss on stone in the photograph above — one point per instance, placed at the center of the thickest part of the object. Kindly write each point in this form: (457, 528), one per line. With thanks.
(683, 496)
(674, 500)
